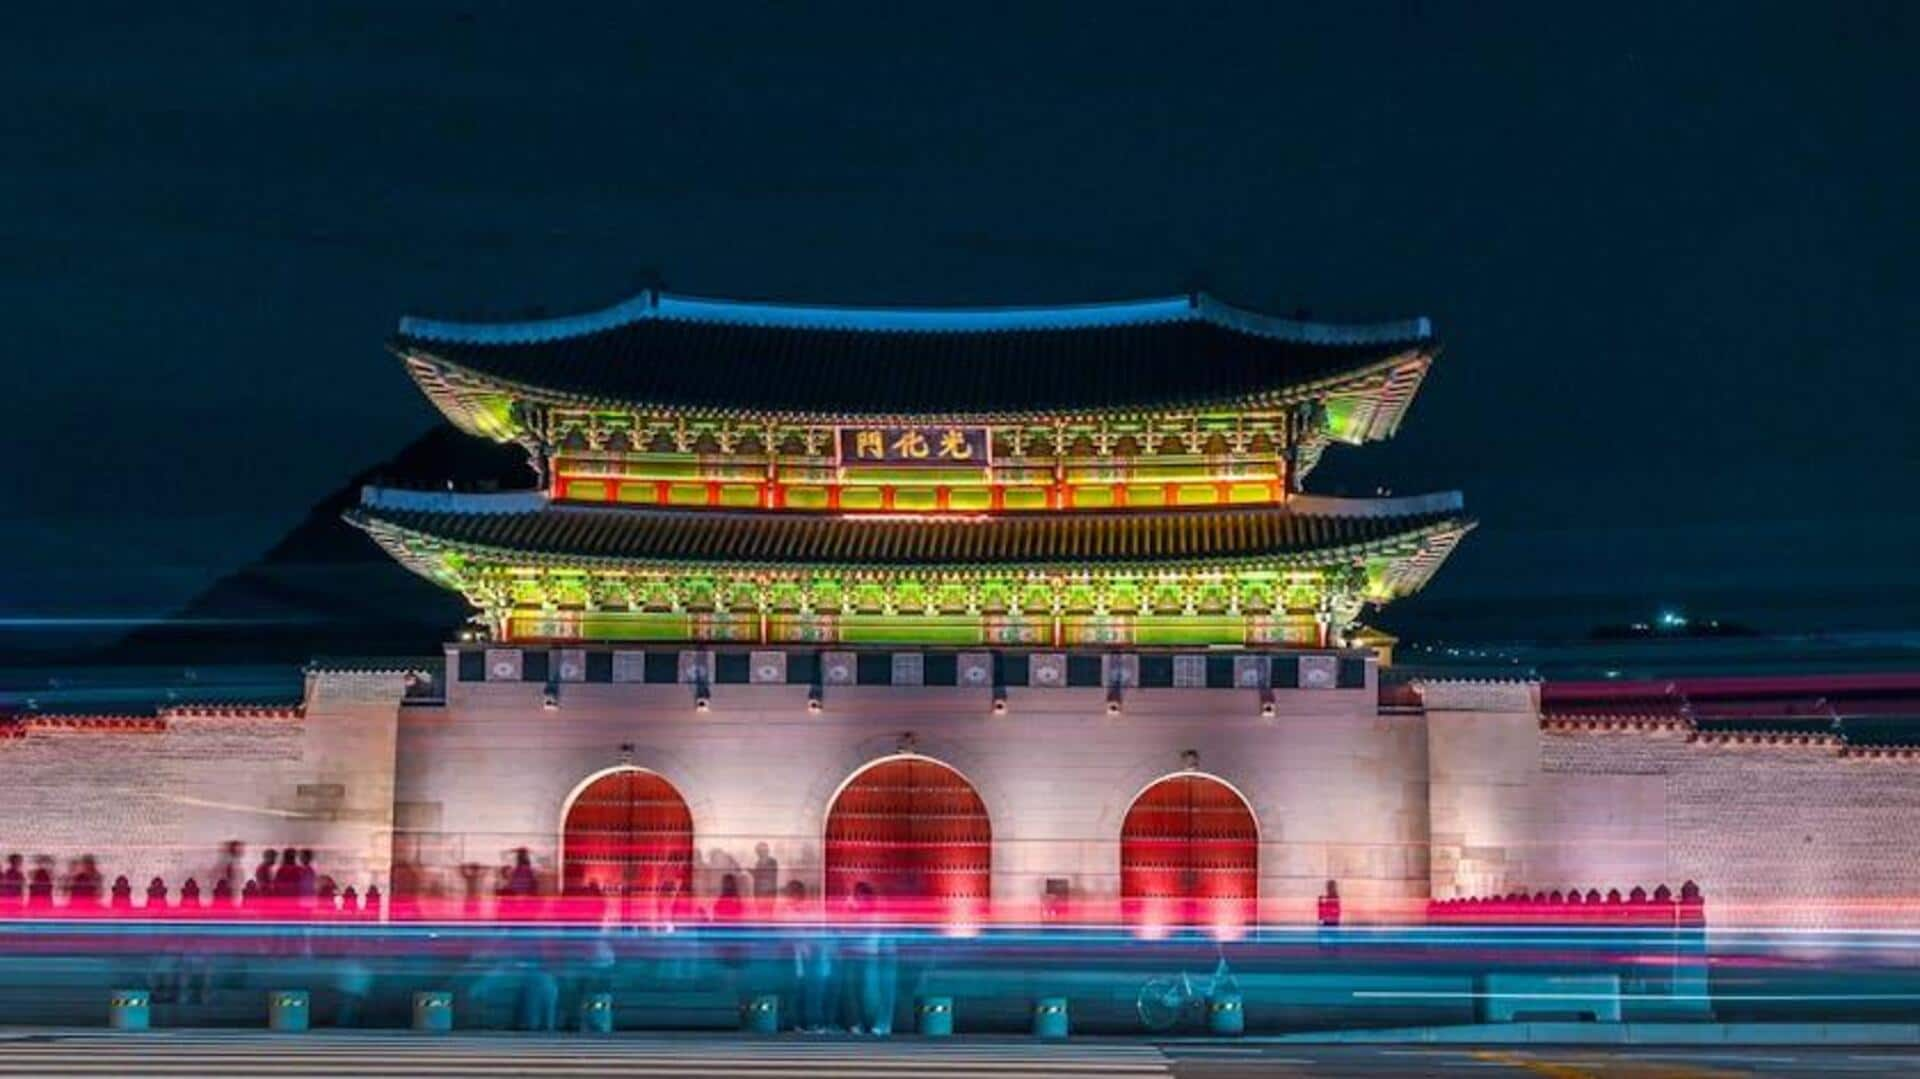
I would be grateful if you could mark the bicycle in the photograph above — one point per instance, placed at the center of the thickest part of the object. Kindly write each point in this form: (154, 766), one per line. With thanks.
(1165, 1001)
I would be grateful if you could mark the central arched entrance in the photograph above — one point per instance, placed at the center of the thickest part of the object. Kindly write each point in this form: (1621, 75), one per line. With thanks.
(1190, 854)
(914, 831)
(627, 833)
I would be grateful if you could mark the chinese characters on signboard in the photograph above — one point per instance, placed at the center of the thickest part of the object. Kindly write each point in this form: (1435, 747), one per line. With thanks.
(913, 446)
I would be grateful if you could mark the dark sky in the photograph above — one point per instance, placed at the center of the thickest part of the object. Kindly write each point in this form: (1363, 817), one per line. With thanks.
(1671, 248)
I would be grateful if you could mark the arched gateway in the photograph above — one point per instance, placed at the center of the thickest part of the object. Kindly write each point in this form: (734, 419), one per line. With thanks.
(627, 832)
(912, 829)
(1190, 853)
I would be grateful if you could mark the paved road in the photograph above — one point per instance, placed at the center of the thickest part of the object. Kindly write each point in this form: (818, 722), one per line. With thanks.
(336, 1054)
(404, 1054)
(1195, 1061)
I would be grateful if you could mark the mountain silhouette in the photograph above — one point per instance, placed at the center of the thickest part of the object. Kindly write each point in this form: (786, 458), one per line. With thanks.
(325, 589)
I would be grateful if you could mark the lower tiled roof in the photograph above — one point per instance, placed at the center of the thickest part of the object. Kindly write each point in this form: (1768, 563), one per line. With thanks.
(515, 524)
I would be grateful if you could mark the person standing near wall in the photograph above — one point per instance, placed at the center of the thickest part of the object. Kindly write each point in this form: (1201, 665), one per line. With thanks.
(819, 953)
(13, 884)
(878, 965)
(264, 872)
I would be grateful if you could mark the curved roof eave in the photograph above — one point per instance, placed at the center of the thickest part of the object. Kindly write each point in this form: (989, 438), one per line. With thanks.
(429, 371)
(654, 305)
(394, 538)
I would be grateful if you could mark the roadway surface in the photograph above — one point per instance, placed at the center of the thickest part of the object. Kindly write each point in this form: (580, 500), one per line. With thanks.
(405, 1054)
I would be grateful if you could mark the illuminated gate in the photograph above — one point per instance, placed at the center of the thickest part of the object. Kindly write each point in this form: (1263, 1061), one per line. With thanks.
(913, 830)
(1190, 854)
(628, 833)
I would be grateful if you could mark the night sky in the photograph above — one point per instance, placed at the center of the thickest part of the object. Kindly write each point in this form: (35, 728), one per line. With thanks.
(1671, 249)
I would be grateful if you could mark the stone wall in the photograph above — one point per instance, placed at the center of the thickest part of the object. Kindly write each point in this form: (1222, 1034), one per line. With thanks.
(159, 802)
(1339, 790)
(1472, 798)
(1483, 760)
(1774, 834)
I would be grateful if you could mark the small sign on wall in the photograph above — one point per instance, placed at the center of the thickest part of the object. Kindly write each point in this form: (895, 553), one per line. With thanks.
(837, 668)
(1319, 672)
(696, 668)
(1120, 670)
(629, 666)
(1047, 669)
(974, 669)
(503, 664)
(767, 668)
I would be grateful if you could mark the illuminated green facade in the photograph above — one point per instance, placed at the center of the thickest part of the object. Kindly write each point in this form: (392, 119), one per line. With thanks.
(1120, 474)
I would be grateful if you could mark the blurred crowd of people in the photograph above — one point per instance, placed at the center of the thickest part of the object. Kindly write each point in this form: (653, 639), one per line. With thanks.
(285, 876)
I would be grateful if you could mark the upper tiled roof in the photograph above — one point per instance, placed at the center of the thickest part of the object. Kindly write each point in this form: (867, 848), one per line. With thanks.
(522, 525)
(729, 356)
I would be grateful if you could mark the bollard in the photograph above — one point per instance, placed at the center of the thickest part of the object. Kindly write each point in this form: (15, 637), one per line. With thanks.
(1226, 1015)
(129, 1009)
(596, 1013)
(1050, 1017)
(934, 1017)
(433, 1011)
(762, 1015)
(287, 1010)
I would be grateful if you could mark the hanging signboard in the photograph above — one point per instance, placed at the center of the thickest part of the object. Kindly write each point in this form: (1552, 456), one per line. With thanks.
(897, 447)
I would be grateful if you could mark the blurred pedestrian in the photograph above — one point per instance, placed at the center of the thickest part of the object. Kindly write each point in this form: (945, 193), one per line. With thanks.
(227, 869)
(878, 964)
(13, 883)
(83, 882)
(307, 884)
(286, 879)
(264, 872)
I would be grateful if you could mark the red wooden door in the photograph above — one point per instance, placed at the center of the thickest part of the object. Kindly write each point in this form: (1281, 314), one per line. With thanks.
(1190, 853)
(628, 834)
(913, 830)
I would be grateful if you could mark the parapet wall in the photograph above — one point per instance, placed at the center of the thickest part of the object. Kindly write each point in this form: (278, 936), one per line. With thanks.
(157, 795)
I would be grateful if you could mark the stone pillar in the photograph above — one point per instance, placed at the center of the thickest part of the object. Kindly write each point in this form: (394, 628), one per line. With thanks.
(344, 780)
(1483, 767)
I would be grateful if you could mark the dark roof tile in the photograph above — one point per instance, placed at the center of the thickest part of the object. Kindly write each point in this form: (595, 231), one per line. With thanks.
(790, 538)
(749, 358)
